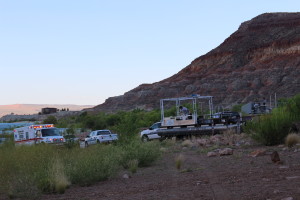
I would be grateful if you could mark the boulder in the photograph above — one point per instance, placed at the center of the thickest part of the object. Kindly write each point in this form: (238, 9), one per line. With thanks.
(275, 157)
(126, 176)
(212, 154)
(259, 152)
(226, 151)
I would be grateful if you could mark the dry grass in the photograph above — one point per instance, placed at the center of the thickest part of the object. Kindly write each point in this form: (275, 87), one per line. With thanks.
(59, 179)
(187, 143)
(292, 139)
(230, 136)
(133, 165)
(179, 161)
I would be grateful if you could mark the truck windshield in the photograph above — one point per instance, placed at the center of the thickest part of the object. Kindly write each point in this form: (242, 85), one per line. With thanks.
(103, 133)
(50, 132)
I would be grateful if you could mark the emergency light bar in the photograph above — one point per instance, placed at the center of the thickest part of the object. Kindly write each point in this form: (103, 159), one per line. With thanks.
(42, 126)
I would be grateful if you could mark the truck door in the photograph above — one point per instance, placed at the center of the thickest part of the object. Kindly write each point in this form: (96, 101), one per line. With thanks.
(93, 138)
(101, 136)
(104, 136)
(107, 136)
(38, 136)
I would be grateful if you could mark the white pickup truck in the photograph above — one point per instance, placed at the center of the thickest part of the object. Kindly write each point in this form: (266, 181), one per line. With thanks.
(150, 133)
(100, 136)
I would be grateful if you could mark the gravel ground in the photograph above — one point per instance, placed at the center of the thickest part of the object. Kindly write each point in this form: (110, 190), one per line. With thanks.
(236, 176)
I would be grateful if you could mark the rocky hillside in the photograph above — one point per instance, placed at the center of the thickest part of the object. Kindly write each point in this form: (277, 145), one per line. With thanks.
(261, 58)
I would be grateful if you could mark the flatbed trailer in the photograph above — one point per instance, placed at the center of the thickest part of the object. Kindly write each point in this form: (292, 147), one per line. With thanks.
(191, 124)
(196, 131)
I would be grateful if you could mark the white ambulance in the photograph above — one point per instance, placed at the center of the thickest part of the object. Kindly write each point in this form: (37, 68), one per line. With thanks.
(37, 134)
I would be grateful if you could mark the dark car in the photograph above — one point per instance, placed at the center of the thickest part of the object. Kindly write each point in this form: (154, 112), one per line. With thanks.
(226, 117)
(230, 117)
(203, 121)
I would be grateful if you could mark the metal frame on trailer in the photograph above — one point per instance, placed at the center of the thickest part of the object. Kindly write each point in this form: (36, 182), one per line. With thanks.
(194, 99)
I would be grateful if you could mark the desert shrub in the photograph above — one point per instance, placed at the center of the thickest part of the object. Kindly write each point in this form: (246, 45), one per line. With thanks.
(179, 159)
(237, 108)
(70, 131)
(59, 180)
(272, 129)
(25, 168)
(30, 170)
(93, 164)
(187, 143)
(113, 120)
(133, 165)
(144, 153)
(50, 120)
(292, 139)
(71, 141)
(230, 136)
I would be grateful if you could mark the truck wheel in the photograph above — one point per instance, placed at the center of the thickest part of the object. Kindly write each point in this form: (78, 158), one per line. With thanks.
(145, 138)
(98, 142)
(86, 144)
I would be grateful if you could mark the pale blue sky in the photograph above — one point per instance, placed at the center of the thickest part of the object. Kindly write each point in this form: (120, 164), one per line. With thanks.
(82, 52)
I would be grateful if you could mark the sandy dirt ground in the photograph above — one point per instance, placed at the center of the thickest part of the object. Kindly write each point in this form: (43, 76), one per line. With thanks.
(228, 177)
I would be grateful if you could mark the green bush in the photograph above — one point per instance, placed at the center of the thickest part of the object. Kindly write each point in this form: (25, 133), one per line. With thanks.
(144, 153)
(126, 123)
(50, 120)
(272, 129)
(237, 108)
(93, 164)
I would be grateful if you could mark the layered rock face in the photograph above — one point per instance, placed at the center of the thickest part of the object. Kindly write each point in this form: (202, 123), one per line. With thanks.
(258, 60)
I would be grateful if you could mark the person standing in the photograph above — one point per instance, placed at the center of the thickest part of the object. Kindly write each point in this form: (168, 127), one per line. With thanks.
(264, 101)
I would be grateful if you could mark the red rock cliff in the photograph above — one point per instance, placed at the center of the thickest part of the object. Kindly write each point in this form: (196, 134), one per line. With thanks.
(261, 58)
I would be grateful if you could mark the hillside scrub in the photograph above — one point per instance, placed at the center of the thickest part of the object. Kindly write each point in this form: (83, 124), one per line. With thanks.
(29, 171)
(121, 122)
(272, 129)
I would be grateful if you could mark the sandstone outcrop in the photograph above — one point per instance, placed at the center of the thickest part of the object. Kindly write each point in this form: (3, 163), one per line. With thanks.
(261, 58)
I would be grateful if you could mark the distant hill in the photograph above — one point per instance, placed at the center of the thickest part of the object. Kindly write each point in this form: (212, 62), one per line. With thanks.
(258, 60)
(27, 109)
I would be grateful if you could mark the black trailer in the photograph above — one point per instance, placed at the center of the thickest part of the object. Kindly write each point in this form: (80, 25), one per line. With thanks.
(197, 131)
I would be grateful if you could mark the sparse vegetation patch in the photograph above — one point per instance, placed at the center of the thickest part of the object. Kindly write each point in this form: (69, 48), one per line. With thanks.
(273, 128)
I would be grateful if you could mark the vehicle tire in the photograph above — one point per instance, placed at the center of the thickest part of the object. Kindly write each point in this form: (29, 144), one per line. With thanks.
(86, 144)
(145, 138)
(98, 142)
